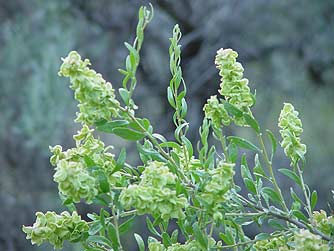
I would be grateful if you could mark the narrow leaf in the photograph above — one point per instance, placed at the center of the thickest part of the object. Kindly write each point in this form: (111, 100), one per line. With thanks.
(292, 175)
(243, 143)
(151, 227)
(252, 123)
(109, 126)
(100, 240)
(125, 226)
(273, 141)
(140, 242)
(314, 199)
(232, 109)
(200, 237)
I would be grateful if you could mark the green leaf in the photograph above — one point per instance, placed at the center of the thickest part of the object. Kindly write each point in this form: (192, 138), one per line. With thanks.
(120, 161)
(126, 225)
(134, 56)
(183, 227)
(271, 194)
(252, 122)
(243, 143)
(273, 141)
(250, 185)
(245, 172)
(232, 109)
(112, 235)
(151, 227)
(233, 152)
(101, 200)
(140, 242)
(149, 153)
(171, 144)
(166, 240)
(295, 197)
(314, 199)
(178, 130)
(94, 228)
(292, 175)
(262, 236)
(175, 235)
(159, 137)
(108, 127)
(89, 162)
(227, 237)
(100, 240)
(258, 169)
(199, 236)
(276, 224)
(170, 97)
(103, 182)
(145, 123)
(300, 215)
(188, 145)
(125, 95)
(94, 249)
(128, 134)
(184, 108)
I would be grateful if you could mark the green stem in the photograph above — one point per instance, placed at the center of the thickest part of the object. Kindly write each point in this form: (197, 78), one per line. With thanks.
(223, 144)
(115, 217)
(271, 172)
(124, 214)
(252, 241)
(283, 216)
(211, 229)
(307, 197)
(179, 122)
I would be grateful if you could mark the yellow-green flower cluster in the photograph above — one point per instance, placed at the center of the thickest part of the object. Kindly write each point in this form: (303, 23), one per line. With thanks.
(276, 243)
(56, 228)
(74, 179)
(188, 246)
(291, 129)
(221, 181)
(156, 246)
(216, 112)
(155, 194)
(304, 240)
(323, 222)
(96, 97)
(234, 87)
(191, 245)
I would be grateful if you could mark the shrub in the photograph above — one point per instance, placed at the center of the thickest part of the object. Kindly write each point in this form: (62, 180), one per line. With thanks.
(194, 187)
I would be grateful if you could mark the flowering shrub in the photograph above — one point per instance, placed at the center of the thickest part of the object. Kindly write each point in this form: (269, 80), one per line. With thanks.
(193, 187)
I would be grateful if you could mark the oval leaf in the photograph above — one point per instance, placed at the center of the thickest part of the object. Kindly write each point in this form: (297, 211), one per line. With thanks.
(128, 134)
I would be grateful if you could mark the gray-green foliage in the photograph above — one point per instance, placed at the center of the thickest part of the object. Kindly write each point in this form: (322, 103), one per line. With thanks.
(172, 183)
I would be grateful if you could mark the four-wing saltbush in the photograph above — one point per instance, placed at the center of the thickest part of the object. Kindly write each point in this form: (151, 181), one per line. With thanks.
(188, 193)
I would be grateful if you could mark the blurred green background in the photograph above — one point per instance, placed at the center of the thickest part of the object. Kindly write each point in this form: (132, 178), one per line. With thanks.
(285, 46)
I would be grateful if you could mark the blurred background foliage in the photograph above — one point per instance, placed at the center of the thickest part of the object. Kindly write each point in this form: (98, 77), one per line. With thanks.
(285, 46)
